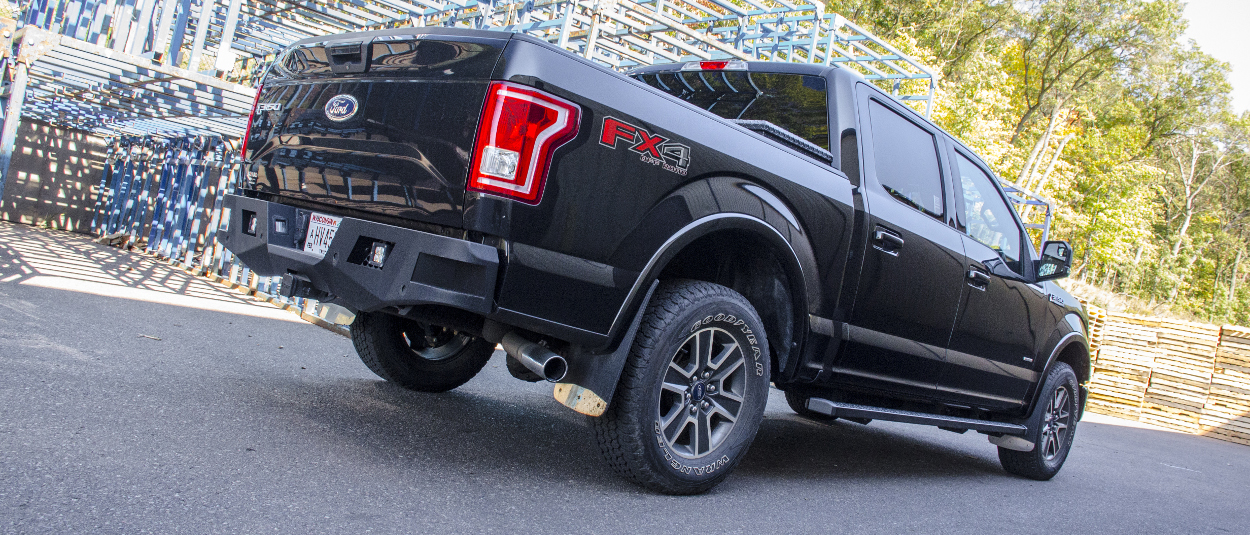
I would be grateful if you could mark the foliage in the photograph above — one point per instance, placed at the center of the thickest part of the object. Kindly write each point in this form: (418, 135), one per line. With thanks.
(1099, 106)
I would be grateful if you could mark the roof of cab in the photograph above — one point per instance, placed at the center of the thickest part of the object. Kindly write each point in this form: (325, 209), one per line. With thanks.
(812, 69)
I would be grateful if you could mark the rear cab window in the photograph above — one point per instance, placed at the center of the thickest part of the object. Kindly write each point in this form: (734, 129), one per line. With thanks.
(907, 160)
(797, 103)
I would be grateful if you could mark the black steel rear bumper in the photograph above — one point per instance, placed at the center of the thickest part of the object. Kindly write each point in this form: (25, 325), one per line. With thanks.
(420, 268)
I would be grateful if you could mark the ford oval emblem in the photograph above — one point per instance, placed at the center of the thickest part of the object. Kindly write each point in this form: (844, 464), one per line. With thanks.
(342, 108)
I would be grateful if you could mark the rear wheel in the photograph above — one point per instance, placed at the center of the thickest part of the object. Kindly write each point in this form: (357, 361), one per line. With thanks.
(417, 356)
(1052, 437)
(693, 391)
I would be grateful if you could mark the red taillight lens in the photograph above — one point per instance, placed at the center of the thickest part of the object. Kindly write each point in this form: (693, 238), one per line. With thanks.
(712, 65)
(520, 129)
(252, 116)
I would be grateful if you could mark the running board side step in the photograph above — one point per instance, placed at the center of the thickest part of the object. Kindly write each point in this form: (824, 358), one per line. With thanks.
(850, 410)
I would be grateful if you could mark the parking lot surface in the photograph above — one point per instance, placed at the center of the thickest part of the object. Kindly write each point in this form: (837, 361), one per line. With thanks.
(136, 399)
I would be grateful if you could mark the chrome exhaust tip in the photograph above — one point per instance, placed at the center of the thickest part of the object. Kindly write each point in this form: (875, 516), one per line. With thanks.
(535, 357)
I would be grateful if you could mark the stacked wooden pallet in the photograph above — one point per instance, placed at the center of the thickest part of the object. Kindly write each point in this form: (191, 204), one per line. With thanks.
(1181, 375)
(1128, 346)
(1097, 321)
(1226, 414)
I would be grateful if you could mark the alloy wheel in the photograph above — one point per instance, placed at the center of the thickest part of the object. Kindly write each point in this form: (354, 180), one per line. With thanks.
(1056, 423)
(703, 392)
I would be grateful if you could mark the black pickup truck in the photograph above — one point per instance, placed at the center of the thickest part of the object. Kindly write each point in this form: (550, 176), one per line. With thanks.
(662, 244)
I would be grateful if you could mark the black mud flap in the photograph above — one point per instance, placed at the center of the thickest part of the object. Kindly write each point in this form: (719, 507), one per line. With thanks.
(591, 381)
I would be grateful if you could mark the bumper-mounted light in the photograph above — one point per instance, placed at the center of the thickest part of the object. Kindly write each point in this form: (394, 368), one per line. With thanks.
(377, 254)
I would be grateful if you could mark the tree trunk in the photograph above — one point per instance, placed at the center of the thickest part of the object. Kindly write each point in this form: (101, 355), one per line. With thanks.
(1050, 168)
(1194, 187)
(1041, 182)
(1188, 172)
(1232, 284)
(1026, 172)
(1180, 234)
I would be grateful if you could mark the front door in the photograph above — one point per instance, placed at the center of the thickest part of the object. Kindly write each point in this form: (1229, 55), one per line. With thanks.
(992, 351)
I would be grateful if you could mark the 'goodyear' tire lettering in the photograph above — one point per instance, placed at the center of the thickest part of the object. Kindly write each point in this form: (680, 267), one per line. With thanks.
(734, 321)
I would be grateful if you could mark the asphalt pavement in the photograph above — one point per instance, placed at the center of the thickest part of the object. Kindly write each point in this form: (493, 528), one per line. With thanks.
(136, 399)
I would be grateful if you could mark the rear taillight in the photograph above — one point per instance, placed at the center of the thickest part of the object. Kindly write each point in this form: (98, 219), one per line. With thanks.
(520, 129)
(247, 134)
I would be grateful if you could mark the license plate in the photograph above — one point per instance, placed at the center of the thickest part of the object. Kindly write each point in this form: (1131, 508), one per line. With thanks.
(321, 229)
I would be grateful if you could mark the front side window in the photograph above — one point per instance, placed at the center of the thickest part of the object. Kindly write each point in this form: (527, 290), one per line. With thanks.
(987, 215)
(906, 159)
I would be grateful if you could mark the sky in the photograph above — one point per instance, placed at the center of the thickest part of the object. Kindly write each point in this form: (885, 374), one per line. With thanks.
(1220, 29)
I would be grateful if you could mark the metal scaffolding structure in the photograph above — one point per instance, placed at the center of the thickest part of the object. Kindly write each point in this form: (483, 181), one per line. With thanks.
(186, 67)
(163, 196)
(177, 71)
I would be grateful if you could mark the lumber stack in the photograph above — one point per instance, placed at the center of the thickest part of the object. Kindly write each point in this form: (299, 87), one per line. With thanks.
(1186, 376)
(1226, 414)
(1128, 347)
(1097, 321)
(1181, 376)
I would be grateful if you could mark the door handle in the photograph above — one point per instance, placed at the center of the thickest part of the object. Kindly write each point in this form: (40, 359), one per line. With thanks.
(888, 241)
(979, 279)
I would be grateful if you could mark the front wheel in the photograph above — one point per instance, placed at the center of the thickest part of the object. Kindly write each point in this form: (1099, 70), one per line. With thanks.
(416, 356)
(1052, 437)
(693, 391)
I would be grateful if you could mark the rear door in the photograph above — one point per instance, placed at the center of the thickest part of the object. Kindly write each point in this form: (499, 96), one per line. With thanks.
(991, 356)
(912, 274)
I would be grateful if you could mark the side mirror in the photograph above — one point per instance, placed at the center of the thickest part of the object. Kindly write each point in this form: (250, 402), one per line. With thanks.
(1056, 261)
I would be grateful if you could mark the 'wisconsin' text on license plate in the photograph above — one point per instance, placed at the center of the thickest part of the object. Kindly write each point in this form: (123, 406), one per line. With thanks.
(321, 229)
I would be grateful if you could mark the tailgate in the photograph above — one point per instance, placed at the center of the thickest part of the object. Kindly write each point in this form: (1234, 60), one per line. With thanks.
(379, 122)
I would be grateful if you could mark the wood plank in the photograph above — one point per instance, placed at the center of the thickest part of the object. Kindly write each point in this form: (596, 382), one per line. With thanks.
(1165, 406)
(1233, 367)
(1118, 397)
(1121, 411)
(1225, 405)
(1225, 418)
(1230, 392)
(1228, 427)
(1239, 438)
(1124, 373)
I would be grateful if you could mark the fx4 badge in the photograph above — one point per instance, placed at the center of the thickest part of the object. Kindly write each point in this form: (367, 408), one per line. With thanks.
(651, 148)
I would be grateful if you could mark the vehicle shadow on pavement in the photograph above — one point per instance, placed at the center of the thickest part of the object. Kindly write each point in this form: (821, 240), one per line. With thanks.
(460, 431)
(788, 445)
(518, 435)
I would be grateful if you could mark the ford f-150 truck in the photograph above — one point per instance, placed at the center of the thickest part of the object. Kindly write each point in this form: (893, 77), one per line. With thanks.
(662, 244)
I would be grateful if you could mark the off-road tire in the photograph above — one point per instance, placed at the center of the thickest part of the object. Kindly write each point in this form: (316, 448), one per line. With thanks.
(798, 404)
(381, 342)
(1042, 463)
(629, 433)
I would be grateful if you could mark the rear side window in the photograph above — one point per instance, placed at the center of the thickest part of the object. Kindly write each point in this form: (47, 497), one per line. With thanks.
(906, 159)
(794, 102)
(987, 215)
